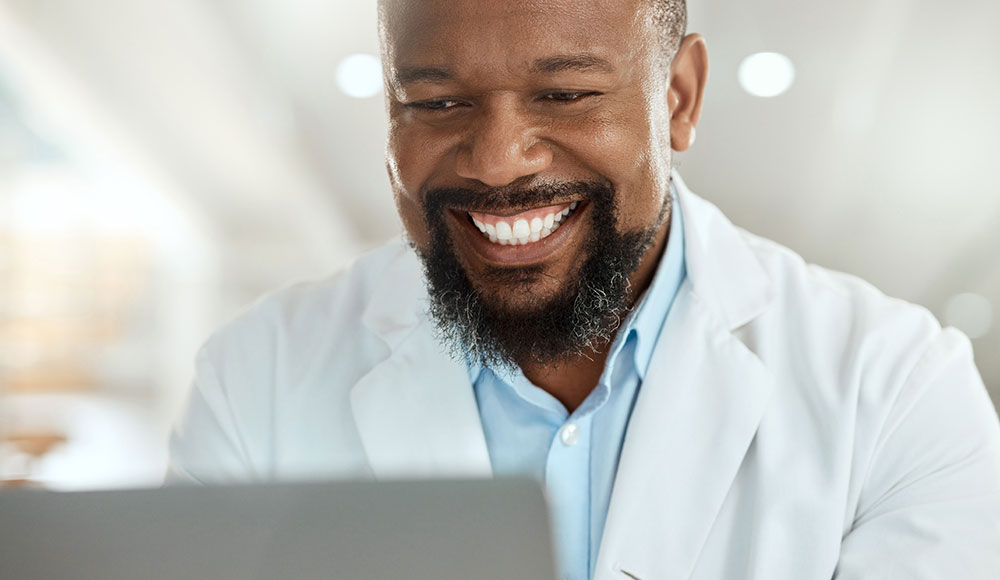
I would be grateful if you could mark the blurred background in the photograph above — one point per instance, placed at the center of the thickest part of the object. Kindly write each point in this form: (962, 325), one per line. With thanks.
(162, 164)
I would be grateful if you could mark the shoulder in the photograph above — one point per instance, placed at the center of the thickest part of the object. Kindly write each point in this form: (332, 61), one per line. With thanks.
(833, 341)
(871, 401)
(794, 315)
(892, 383)
(269, 397)
(296, 326)
(837, 339)
(840, 317)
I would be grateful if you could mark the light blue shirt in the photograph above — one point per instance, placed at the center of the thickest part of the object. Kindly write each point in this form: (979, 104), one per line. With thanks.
(530, 433)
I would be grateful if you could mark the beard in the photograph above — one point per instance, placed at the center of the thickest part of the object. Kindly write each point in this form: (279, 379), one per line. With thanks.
(579, 320)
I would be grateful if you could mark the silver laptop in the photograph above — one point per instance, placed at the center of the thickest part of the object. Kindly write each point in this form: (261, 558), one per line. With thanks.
(487, 530)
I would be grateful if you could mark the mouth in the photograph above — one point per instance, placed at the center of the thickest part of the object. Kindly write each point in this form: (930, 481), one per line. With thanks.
(520, 238)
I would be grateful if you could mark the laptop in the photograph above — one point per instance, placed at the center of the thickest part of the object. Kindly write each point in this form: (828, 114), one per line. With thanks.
(440, 530)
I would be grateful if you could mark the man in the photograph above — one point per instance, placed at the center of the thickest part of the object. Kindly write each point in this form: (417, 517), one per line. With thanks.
(698, 402)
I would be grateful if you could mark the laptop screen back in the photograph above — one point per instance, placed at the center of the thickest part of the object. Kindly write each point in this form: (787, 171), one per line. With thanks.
(353, 530)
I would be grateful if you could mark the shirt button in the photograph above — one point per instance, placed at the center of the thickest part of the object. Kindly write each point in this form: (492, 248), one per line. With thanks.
(569, 435)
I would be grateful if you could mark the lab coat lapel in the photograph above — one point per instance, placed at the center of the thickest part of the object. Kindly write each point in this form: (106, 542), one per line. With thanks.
(415, 410)
(695, 417)
(697, 411)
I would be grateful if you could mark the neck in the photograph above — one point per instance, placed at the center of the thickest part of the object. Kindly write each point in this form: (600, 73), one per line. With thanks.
(569, 382)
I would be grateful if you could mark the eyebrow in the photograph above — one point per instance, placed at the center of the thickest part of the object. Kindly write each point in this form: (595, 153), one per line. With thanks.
(548, 65)
(572, 62)
(424, 74)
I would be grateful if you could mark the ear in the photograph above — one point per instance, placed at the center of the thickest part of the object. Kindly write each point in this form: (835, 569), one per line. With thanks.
(688, 75)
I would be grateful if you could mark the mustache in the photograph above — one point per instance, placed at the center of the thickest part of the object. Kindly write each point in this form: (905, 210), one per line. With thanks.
(508, 197)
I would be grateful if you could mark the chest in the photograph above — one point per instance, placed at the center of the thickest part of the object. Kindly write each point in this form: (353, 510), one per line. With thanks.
(782, 519)
(693, 501)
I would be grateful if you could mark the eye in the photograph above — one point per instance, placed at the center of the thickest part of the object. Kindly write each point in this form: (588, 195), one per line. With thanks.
(435, 104)
(567, 96)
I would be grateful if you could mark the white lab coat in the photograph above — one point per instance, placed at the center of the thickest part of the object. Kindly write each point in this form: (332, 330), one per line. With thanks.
(794, 424)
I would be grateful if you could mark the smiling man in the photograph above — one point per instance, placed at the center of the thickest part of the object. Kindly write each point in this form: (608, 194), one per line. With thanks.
(532, 170)
(698, 402)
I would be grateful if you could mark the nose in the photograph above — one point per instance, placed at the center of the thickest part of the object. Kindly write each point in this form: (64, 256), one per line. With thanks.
(503, 145)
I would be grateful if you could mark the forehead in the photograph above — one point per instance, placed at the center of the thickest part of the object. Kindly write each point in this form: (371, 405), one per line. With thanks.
(512, 33)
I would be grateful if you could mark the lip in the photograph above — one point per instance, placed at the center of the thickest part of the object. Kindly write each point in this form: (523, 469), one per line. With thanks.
(515, 256)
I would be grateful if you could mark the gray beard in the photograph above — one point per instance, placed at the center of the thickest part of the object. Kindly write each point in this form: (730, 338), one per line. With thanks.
(581, 320)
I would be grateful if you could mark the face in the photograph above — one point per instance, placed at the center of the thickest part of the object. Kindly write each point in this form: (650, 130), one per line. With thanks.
(529, 154)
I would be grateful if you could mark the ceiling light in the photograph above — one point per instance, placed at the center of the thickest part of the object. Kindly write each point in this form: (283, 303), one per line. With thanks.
(766, 74)
(971, 313)
(360, 76)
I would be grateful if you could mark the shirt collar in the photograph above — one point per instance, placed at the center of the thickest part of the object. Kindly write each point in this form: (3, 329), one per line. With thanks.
(648, 317)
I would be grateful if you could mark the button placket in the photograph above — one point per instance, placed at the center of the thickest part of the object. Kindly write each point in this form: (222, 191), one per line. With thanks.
(568, 482)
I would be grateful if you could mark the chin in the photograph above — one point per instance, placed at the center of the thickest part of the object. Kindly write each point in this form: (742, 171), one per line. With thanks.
(521, 290)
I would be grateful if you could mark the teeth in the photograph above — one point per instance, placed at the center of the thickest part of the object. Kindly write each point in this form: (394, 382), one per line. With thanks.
(522, 231)
(504, 232)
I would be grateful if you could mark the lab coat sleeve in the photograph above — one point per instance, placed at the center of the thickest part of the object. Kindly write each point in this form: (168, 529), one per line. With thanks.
(206, 446)
(930, 505)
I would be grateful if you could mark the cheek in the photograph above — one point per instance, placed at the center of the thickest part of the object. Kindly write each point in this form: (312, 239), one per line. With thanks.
(414, 154)
(412, 216)
(411, 159)
(643, 195)
(627, 149)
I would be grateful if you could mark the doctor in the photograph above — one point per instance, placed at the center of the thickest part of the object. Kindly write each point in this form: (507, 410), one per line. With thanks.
(699, 402)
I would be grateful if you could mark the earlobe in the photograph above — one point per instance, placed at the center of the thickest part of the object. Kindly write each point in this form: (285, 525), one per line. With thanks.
(681, 136)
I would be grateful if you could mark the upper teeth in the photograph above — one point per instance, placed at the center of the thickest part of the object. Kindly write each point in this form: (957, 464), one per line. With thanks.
(521, 231)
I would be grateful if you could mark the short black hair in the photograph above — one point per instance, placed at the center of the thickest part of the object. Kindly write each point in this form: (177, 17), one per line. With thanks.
(670, 17)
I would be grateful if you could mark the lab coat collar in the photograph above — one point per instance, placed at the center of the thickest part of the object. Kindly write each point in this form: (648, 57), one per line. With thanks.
(697, 411)
(723, 269)
(415, 410)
